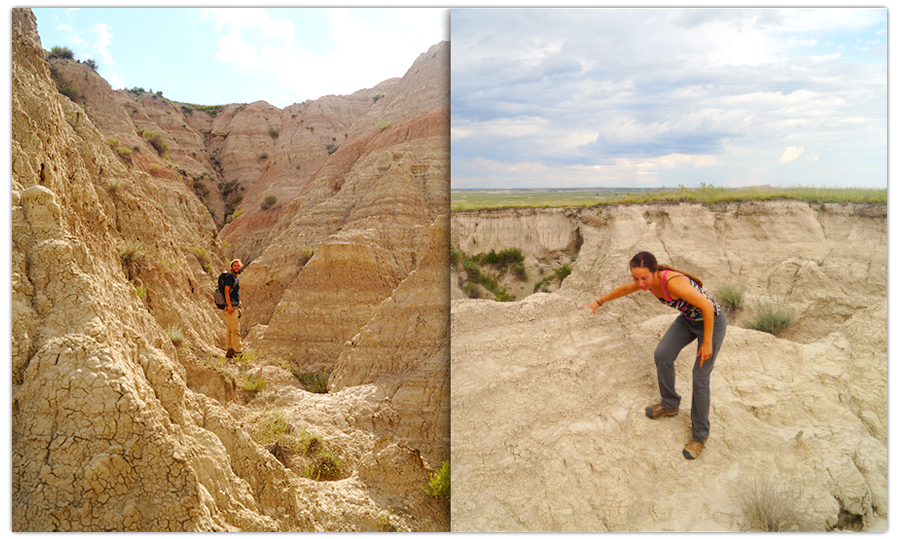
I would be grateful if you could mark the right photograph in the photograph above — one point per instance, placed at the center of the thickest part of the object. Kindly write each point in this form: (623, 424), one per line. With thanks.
(668, 281)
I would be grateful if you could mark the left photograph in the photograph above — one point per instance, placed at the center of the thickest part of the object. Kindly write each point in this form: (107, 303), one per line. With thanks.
(230, 296)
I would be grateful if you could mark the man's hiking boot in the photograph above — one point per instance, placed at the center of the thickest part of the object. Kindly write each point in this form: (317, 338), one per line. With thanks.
(692, 449)
(230, 353)
(657, 411)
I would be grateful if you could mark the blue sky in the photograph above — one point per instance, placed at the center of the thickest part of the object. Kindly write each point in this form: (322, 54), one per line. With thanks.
(668, 97)
(215, 56)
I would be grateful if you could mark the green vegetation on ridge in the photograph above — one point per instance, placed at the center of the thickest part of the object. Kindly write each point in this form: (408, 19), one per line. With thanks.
(477, 199)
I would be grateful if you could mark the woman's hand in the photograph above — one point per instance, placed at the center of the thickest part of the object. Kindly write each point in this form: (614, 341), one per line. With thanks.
(592, 306)
(705, 351)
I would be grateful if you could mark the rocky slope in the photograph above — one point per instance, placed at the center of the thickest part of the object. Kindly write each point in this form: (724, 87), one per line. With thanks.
(547, 405)
(124, 414)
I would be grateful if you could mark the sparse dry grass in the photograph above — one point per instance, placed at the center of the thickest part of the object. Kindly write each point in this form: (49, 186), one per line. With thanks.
(771, 318)
(770, 506)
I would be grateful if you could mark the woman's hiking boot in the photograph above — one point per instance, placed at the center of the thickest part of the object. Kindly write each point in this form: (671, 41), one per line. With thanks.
(657, 411)
(692, 449)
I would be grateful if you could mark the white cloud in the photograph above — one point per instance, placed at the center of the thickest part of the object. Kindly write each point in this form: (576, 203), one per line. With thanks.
(115, 80)
(104, 39)
(365, 52)
(790, 154)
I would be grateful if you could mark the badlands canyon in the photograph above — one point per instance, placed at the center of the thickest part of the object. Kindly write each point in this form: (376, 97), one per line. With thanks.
(127, 205)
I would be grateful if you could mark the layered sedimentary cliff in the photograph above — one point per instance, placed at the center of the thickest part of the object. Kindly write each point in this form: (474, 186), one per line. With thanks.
(549, 431)
(124, 414)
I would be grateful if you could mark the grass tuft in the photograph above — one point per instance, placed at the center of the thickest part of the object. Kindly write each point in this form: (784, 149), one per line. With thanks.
(730, 297)
(131, 250)
(175, 335)
(771, 319)
(770, 507)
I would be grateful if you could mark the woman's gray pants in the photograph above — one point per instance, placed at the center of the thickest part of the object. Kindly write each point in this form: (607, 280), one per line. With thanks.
(680, 334)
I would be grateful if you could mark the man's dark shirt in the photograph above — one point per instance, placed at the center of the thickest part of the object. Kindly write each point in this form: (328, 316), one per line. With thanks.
(231, 280)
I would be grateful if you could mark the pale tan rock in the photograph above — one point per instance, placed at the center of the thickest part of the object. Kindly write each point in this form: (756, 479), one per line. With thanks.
(116, 424)
(549, 431)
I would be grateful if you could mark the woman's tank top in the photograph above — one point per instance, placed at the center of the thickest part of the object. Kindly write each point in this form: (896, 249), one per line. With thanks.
(690, 311)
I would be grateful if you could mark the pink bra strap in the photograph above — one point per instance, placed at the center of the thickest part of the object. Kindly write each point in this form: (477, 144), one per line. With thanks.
(666, 290)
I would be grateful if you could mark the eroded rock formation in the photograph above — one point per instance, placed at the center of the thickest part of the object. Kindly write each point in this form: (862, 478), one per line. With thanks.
(123, 416)
(549, 431)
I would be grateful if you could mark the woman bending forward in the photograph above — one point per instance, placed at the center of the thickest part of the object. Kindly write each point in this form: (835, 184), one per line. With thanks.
(701, 318)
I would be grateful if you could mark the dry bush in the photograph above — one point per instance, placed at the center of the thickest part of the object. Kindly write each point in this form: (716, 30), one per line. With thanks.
(769, 506)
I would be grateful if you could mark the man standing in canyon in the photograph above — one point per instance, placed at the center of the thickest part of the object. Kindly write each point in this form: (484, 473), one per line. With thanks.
(701, 319)
(232, 289)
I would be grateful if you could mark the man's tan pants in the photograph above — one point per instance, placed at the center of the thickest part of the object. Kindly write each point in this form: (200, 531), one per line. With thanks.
(233, 330)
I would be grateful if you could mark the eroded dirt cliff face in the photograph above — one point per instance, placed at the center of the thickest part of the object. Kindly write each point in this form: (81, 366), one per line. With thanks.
(572, 449)
(120, 425)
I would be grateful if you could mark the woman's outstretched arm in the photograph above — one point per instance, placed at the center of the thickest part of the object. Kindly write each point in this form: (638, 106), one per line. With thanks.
(623, 290)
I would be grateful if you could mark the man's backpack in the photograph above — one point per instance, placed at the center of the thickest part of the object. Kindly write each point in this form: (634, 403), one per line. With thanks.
(219, 293)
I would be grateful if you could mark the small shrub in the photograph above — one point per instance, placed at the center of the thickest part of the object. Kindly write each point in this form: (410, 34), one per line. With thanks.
(124, 153)
(66, 91)
(91, 63)
(471, 290)
(237, 213)
(309, 251)
(383, 125)
(114, 185)
(730, 297)
(61, 52)
(439, 483)
(316, 383)
(330, 148)
(769, 507)
(326, 466)
(375, 96)
(273, 132)
(563, 271)
(113, 142)
(131, 250)
(456, 256)
(156, 140)
(771, 319)
(264, 155)
(255, 385)
(510, 256)
(175, 335)
(518, 270)
(268, 202)
(274, 429)
(385, 522)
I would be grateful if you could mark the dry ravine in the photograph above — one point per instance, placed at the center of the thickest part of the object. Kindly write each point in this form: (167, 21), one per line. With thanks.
(126, 206)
